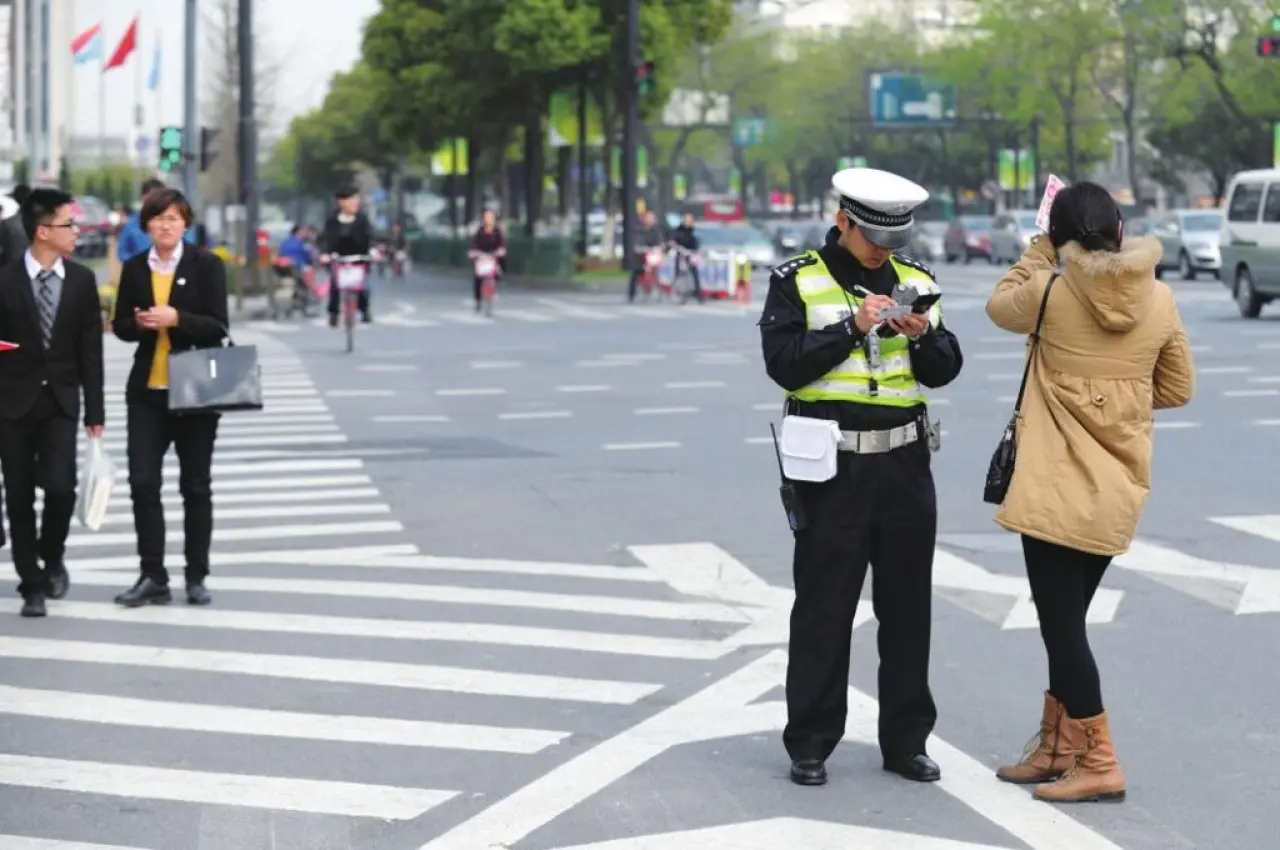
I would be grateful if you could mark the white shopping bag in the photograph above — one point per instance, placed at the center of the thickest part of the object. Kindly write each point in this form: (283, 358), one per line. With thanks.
(95, 486)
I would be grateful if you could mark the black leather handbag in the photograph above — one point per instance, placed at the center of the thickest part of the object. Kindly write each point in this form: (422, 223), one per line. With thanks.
(215, 380)
(1000, 472)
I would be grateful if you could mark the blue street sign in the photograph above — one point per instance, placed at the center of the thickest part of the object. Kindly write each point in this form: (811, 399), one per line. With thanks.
(748, 132)
(910, 100)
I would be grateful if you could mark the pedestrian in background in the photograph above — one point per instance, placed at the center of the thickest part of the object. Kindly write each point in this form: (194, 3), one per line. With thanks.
(49, 306)
(488, 239)
(172, 298)
(1111, 350)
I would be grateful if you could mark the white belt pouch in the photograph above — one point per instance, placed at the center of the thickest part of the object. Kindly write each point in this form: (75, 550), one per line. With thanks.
(809, 447)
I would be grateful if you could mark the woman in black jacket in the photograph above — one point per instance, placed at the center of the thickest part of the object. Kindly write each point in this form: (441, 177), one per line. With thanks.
(171, 298)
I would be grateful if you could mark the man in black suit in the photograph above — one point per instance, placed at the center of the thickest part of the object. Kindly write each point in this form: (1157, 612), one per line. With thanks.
(49, 307)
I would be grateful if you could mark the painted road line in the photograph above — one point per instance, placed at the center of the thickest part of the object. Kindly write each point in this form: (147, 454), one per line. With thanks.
(276, 498)
(731, 707)
(1267, 422)
(261, 512)
(1223, 370)
(641, 356)
(496, 364)
(639, 447)
(605, 364)
(405, 418)
(694, 385)
(277, 413)
(492, 634)
(388, 367)
(663, 411)
(26, 842)
(771, 405)
(230, 469)
(463, 317)
(352, 671)
(1000, 355)
(200, 717)
(573, 310)
(537, 414)
(757, 441)
(1262, 379)
(595, 572)
(228, 428)
(613, 606)
(526, 315)
(773, 833)
(240, 485)
(584, 388)
(1250, 393)
(360, 393)
(1005, 376)
(227, 535)
(220, 789)
(232, 441)
(331, 556)
(1176, 425)
(1006, 399)
(472, 391)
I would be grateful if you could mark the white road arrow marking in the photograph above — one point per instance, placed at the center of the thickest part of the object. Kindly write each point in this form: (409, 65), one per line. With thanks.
(1239, 588)
(785, 832)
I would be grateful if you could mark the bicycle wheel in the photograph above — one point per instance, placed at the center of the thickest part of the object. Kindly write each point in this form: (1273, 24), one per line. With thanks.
(349, 319)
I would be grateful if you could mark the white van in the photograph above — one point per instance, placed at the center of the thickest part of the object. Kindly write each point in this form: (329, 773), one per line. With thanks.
(1250, 241)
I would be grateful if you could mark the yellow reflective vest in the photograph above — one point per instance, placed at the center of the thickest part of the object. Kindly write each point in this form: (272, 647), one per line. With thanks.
(891, 383)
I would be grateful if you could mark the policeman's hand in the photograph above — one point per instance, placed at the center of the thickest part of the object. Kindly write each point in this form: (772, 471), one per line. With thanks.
(868, 315)
(913, 324)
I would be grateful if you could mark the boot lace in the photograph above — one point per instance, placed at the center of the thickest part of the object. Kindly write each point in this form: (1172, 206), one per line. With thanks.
(1077, 764)
(1039, 741)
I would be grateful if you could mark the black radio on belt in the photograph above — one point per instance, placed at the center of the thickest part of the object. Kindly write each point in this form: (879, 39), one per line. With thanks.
(792, 503)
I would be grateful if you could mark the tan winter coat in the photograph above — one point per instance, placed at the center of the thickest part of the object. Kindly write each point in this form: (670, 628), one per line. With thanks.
(1112, 350)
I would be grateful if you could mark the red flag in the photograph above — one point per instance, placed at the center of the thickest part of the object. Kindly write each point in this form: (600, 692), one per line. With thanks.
(128, 43)
(83, 39)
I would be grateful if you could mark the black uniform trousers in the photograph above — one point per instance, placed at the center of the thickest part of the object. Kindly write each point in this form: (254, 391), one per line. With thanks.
(39, 449)
(152, 429)
(879, 510)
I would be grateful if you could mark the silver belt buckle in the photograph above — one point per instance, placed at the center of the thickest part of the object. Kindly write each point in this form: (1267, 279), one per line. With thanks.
(933, 432)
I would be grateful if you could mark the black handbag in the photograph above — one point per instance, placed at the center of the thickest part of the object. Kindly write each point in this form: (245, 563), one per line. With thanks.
(1000, 472)
(215, 380)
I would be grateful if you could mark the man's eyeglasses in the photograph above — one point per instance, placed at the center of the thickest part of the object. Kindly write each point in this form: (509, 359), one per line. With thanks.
(63, 225)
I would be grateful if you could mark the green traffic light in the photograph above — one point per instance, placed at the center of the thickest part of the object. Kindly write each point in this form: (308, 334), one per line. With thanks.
(1275, 23)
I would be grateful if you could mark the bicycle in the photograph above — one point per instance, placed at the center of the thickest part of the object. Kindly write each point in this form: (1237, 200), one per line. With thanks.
(350, 274)
(687, 263)
(486, 268)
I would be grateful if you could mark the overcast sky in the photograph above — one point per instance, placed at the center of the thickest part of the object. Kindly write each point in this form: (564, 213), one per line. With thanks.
(311, 38)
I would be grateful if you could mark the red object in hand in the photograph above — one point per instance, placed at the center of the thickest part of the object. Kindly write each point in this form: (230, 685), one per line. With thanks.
(8, 346)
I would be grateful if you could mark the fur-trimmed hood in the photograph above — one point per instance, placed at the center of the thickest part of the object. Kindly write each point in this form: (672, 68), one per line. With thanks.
(1116, 286)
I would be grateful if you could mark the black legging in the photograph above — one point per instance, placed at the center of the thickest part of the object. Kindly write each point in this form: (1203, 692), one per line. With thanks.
(1063, 582)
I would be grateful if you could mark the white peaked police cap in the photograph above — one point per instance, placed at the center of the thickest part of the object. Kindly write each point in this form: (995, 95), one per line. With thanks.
(880, 203)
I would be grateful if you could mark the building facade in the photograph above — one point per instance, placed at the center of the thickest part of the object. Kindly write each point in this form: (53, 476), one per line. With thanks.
(39, 96)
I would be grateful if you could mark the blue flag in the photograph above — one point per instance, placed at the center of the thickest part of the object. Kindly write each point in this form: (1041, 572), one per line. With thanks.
(153, 81)
(92, 50)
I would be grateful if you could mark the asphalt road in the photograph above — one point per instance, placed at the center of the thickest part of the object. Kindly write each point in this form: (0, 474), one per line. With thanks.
(523, 583)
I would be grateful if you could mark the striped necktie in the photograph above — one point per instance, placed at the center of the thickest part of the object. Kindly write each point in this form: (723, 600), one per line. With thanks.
(44, 300)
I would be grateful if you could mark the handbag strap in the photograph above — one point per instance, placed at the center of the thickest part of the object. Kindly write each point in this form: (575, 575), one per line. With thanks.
(1035, 343)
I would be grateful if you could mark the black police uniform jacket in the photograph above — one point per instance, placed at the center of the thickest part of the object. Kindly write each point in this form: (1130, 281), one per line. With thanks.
(796, 355)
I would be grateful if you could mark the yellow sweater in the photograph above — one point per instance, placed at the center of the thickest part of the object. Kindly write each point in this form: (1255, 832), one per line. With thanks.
(161, 286)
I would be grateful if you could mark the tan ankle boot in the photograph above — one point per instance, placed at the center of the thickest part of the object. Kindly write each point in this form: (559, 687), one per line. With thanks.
(1051, 752)
(1096, 776)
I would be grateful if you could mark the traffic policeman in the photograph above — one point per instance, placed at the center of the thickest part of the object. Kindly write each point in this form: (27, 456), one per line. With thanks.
(826, 344)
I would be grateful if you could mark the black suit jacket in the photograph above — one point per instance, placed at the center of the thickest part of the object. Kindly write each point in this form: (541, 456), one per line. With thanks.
(73, 362)
(199, 294)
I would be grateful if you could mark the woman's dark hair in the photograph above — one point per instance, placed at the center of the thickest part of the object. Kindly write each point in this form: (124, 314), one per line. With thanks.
(1087, 214)
(40, 206)
(148, 186)
(160, 200)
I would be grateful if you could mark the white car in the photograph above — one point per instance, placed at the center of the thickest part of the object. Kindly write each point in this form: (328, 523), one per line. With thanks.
(1011, 233)
(1190, 239)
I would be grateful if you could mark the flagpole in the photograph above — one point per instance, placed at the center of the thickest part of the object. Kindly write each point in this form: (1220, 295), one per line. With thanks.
(102, 86)
(138, 111)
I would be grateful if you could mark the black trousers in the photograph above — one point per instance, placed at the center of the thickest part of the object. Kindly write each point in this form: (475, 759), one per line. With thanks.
(1063, 582)
(39, 450)
(152, 429)
(879, 510)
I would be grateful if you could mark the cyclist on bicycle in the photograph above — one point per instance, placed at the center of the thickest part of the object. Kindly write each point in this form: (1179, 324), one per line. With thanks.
(650, 236)
(685, 237)
(488, 239)
(348, 232)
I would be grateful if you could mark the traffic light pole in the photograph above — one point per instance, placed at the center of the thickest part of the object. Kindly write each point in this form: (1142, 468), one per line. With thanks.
(630, 134)
(248, 148)
(191, 129)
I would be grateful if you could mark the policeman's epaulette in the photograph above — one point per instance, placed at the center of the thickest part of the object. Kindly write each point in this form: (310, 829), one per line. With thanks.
(916, 264)
(793, 265)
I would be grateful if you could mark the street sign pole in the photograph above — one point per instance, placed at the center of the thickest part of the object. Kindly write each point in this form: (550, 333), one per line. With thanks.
(189, 121)
(630, 130)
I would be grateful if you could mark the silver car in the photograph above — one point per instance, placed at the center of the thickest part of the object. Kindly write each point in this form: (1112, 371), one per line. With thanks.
(1191, 241)
(928, 241)
(740, 241)
(1011, 233)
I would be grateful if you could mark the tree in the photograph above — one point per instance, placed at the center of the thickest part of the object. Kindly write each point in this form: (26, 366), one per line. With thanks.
(221, 71)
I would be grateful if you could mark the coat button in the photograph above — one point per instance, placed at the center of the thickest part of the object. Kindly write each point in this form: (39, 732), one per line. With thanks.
(1099, 399)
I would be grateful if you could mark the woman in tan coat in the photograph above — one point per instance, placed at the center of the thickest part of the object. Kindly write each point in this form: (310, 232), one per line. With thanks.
(1111, 350)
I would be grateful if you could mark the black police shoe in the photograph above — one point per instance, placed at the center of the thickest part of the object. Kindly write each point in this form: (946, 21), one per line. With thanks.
(808, 772)
(917, 767)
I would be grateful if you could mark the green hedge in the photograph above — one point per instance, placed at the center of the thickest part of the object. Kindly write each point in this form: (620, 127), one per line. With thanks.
(541, 257)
